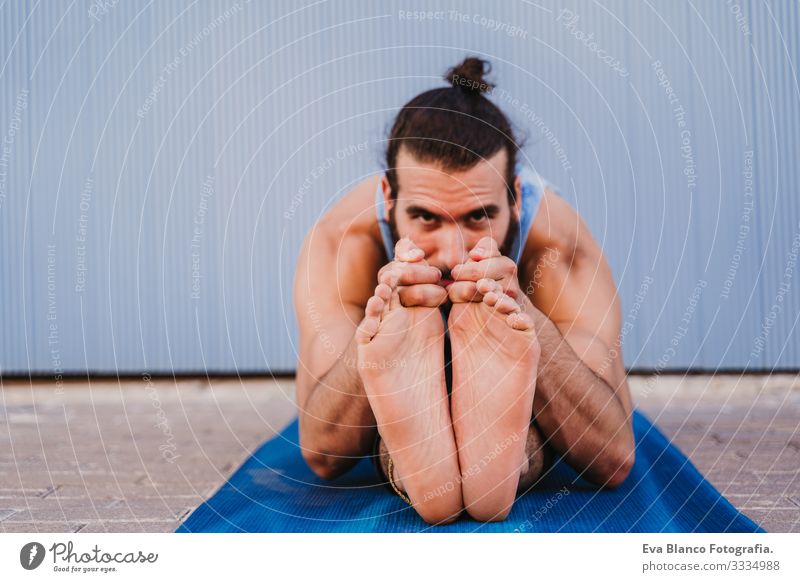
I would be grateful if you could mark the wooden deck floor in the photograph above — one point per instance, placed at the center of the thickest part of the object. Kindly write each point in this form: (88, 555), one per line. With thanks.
(140, 455)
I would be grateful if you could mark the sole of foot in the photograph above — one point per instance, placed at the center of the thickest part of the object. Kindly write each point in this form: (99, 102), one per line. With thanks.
(401, 365)
(495, 363)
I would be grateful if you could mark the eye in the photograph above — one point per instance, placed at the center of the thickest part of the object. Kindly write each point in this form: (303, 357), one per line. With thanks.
(478, 217)
(426, 218)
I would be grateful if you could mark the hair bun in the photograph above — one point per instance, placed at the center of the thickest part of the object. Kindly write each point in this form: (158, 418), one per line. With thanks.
(468, 76)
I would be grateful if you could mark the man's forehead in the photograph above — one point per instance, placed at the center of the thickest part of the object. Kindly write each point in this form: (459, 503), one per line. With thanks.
(421, 183)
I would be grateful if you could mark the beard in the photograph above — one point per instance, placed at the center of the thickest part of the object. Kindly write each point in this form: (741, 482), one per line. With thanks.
(511, 235)
(505, 249)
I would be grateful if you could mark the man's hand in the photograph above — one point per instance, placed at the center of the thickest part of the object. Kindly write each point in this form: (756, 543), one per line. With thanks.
(486, 271)
(416, 280)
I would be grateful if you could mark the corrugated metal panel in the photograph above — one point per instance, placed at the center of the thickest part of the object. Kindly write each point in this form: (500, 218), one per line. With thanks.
(170, 158)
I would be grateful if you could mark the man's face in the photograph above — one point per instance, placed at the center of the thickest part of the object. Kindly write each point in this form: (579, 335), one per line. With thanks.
(447, 213)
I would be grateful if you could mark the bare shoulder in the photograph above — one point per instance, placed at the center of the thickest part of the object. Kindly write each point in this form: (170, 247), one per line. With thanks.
(559, 231)
(553, 232)
(566, 273)
(343, 251)
(354, 214)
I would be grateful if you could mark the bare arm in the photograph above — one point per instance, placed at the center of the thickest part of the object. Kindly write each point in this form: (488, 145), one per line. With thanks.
(582, 399)
(337, 421)
(335, 275)
(579, 411)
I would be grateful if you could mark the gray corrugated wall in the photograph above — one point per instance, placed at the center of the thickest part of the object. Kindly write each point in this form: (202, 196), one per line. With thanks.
(162, 162)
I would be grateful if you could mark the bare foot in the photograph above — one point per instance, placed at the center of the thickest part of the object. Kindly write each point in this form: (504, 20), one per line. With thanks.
(495, 360)
(401, 363)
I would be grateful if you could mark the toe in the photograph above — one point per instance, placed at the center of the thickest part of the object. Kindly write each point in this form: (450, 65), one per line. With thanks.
(520, 321)
(383, 291)
(394, 301)
(390, 278)
(501, 302)
(366, 330)
(487, 285)
(506, 305)
(368, 327)
(463, 292)
(374, 307)
(490, 298)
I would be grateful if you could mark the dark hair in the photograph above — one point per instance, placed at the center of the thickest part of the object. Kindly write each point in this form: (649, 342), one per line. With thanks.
(456, 126)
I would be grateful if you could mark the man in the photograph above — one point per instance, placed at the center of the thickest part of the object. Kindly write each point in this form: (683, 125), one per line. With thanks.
(472, 321)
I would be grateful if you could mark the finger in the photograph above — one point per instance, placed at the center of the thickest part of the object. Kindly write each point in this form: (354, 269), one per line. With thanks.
(484, 249)
(521, 321)
(422, 295)
(405, 250)
(408, 274)
(464, 292)
(496, 268)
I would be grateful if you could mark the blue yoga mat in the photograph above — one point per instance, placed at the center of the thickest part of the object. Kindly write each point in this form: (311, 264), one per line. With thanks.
(274, 491)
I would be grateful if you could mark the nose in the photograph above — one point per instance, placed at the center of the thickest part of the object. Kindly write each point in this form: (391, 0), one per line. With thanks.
(452, 248)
